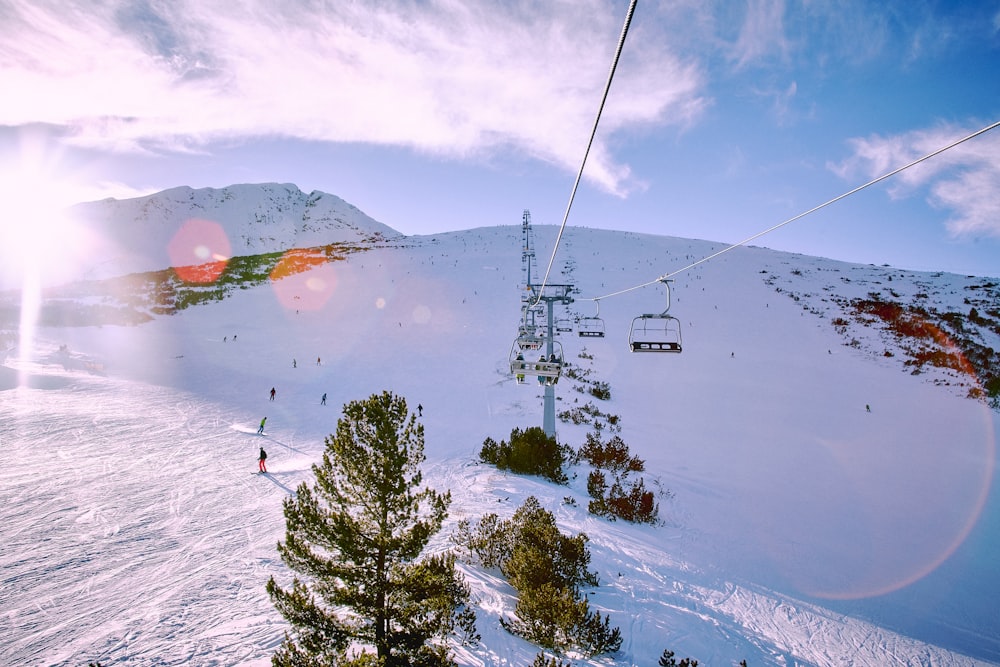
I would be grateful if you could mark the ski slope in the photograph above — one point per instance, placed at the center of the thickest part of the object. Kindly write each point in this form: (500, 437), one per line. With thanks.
(798, 528)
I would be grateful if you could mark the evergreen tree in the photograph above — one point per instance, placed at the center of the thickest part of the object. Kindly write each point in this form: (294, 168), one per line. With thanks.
(355, 537)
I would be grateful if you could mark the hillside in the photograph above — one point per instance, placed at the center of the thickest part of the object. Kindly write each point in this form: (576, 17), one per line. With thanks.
(798, 527)
(184, 226)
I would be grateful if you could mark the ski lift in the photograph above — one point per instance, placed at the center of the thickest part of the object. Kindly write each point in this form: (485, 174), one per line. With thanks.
(657, 332)
(546, 368)
(564, 325)
(591, 327)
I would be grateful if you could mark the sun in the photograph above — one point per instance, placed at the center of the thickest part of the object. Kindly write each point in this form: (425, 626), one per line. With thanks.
(38, 241)
(39, 244)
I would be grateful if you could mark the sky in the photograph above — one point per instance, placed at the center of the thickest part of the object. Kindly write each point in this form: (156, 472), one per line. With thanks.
(723, 118)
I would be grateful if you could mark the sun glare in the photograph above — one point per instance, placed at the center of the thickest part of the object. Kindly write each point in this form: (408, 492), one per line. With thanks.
(39, 244)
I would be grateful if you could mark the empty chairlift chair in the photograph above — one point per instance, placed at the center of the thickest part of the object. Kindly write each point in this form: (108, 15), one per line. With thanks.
(591, 327)
(656, 332)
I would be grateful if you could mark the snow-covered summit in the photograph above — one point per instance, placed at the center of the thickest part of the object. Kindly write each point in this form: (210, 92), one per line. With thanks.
(133, 235)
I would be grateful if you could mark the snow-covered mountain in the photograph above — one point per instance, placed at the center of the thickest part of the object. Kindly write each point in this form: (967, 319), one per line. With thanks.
(153, 232)
(823, 452)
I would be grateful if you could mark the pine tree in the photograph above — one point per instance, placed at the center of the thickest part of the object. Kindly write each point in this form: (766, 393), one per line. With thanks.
(355, 538)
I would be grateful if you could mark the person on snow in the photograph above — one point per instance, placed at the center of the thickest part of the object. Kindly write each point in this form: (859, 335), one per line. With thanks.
(261, 429)
(420, 410)
(272, 393)
(322, 401)
(261, 459)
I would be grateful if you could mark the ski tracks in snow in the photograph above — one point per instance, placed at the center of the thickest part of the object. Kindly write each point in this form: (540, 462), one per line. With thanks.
(154, 555)
(661, 602)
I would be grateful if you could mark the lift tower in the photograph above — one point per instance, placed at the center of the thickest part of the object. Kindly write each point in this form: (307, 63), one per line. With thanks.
(550, 295)
(532, 297)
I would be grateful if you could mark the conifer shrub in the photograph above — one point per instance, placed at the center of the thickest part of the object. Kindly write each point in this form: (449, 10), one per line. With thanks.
(601, 390)
(622, 498)
(547, 569)
(540, 661)
(611, 455)
(529, 452)
(667, 660)
(633, 503)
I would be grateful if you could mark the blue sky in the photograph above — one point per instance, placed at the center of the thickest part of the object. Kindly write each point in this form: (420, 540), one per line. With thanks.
(724, 118)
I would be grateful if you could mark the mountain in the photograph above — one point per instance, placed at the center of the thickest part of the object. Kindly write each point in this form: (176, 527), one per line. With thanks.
(160, 230)
(822, 451)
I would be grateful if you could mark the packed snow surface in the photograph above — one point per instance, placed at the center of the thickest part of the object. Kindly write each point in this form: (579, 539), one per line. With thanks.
(798, 527)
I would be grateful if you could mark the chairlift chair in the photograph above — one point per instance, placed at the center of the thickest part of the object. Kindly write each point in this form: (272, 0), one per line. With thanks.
(656, 332)
(591, 327)
(546, 369)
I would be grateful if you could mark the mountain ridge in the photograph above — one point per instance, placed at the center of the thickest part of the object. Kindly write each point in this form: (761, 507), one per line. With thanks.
(185, 226)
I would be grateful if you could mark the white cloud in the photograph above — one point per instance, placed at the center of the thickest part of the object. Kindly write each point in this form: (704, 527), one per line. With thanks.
(964, 180)
(762, 32)
(448, 77)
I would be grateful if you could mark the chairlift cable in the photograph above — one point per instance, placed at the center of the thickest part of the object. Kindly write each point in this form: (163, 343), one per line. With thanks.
(593, 133)
(805, 213)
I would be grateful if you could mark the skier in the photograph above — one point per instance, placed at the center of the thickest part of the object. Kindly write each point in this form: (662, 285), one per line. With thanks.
(294, 365)
(322, 401)
(420, 410)
(318, 362)
(261, 459)
(272, 393)
(261, 429)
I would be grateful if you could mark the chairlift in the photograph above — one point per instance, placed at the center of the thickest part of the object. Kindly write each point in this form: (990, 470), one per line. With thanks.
(656, 332)
(591, 327)
(546, 368)
(564, 325)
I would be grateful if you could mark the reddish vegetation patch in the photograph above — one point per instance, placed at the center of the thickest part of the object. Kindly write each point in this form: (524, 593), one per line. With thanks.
(930, 345)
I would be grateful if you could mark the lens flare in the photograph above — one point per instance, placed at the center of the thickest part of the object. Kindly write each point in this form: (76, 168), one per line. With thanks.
(866, 523)
(304, 279)
(199, 251)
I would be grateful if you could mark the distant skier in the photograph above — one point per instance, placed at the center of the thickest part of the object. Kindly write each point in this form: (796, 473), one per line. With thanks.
(260, 430)
(294, 364)
(420, 410)
(322, 401)
(261, 459)
(868, 408)
(272, 393)
(318, 362)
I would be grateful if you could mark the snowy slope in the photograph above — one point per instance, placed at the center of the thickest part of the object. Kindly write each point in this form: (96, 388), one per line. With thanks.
(799, 528)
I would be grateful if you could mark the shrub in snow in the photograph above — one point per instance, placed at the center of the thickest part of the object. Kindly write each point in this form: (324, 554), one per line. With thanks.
(667, 660)
(612, 455)
(623, 499)
(540, 661)
(529, 452)
(547, 569)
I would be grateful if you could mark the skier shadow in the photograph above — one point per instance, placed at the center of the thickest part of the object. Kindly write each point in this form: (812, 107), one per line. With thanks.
(284, 487)
(288, 448)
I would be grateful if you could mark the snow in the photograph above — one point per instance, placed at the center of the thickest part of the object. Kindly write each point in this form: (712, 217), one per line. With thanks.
(799, 529)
